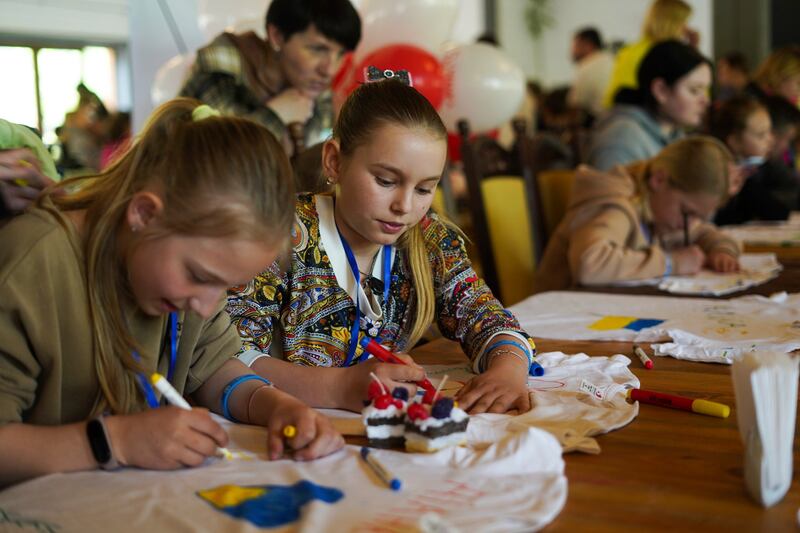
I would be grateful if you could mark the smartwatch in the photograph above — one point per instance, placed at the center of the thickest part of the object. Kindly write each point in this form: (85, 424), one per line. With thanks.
(100, 444)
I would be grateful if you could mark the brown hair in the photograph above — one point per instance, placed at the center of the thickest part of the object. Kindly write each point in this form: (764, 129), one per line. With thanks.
(218, 177)
(696, 164)
(391, 102)
(732, 116)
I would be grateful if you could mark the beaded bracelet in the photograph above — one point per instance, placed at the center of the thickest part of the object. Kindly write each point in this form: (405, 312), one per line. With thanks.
(230, 387)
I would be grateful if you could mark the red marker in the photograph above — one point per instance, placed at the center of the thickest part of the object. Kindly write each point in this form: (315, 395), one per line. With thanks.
(646, 361)
(372, 347)
(703, 407)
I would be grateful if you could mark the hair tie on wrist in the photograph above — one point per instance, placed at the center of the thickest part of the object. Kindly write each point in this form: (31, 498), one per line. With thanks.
(204, 111)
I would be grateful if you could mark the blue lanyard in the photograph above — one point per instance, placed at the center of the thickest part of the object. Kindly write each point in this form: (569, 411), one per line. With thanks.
(144, 383)
(387, 270)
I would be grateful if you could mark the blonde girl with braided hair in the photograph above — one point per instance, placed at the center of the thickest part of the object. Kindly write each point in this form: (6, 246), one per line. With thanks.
(124, 277)
(373, 261)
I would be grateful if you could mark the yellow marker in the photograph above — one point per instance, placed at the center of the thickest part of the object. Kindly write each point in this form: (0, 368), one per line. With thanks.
(24, 163)
(289, 431)
(21, 182)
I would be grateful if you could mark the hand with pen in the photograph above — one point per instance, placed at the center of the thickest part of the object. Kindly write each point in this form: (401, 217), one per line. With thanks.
(312, 434)
(688, 260)
(391, 375)
(166, 438)
(21, 181)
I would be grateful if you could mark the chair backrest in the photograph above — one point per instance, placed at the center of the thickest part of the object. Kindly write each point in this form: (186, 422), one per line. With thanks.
(555, 189)
(501, 198)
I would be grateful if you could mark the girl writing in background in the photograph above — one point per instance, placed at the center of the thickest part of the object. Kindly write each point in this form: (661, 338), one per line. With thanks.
(372, 260)
(125, 277)
(644, 220)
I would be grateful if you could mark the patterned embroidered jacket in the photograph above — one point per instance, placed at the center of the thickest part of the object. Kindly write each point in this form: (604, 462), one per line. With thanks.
(314, 313)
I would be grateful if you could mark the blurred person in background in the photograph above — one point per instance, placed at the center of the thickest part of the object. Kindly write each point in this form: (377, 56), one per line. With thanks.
(592, 71)
(285, 79)
(732, 75)
(672, 96)
(666, 19)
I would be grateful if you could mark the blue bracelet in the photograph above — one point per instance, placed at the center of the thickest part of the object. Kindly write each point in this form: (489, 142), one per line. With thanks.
(519, 345)
(230, 387)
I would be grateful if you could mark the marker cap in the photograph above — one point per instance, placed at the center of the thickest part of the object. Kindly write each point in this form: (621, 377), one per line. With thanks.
(706, 407)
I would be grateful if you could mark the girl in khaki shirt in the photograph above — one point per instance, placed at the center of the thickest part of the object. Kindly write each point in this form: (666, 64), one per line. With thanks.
(644, 220)
(90, 281)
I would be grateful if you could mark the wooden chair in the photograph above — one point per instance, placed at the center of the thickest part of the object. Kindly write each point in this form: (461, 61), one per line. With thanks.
(506, 207)
(501, 194)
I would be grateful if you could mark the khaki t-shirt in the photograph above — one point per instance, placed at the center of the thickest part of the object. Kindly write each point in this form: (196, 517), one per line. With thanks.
(47, 373)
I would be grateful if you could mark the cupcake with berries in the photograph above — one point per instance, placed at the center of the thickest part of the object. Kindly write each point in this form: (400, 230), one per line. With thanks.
(384, 416)
(434, 424)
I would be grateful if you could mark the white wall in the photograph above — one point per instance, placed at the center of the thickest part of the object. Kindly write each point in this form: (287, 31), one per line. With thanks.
(547, 59)
(104, 21)
(151, 45)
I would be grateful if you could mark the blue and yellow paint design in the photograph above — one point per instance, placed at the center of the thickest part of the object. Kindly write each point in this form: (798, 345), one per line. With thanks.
(624, 322)
(268, 505)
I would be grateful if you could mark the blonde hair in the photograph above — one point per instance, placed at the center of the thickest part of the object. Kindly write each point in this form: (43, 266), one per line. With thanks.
(217, 176)
(696, 164)
(778, 67)
(391, 102)
(666, 19)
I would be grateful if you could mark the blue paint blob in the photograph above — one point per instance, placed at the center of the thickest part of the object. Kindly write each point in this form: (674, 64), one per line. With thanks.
(643, 323)
(280, 505)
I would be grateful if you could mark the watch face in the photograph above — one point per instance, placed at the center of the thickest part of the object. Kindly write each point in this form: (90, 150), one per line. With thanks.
(98, 442)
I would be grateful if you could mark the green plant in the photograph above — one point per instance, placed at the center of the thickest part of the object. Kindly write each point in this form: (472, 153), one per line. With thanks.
(538, 16)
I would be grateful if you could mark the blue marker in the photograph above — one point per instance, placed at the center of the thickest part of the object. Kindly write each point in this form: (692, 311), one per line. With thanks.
(392, 482)
(536, 369)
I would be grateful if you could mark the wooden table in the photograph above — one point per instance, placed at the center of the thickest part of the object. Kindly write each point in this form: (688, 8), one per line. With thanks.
(667, 470)
(788, 280)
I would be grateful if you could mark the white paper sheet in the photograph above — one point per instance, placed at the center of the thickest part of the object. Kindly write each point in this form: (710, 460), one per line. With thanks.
(767, 234)
(693, 328)
(515, 484)
(755, 269)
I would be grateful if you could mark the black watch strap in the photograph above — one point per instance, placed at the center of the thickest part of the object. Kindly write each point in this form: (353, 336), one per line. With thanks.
(100, 443)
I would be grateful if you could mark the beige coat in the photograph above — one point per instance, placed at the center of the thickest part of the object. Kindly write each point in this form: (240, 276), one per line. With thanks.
(601, 239)
(47, 373)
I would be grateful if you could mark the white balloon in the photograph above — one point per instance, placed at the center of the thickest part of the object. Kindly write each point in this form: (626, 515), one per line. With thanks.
(422, 23)
(216, 16)
(170, 77)
(486, 87)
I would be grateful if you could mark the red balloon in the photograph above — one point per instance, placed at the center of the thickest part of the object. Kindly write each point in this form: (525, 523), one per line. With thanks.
(427, 74)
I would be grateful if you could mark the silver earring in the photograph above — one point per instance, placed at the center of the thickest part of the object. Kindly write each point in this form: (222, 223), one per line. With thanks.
(329, 181)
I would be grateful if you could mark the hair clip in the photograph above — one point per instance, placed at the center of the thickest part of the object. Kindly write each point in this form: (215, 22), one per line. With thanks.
(376, 74)
(204, 111)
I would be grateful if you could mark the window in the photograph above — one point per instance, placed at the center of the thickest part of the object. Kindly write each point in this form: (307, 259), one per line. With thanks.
(43, 88)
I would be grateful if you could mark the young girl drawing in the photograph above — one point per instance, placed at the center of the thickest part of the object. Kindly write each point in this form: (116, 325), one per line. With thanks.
(644, 220)
(101, 287)
(373, 261)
